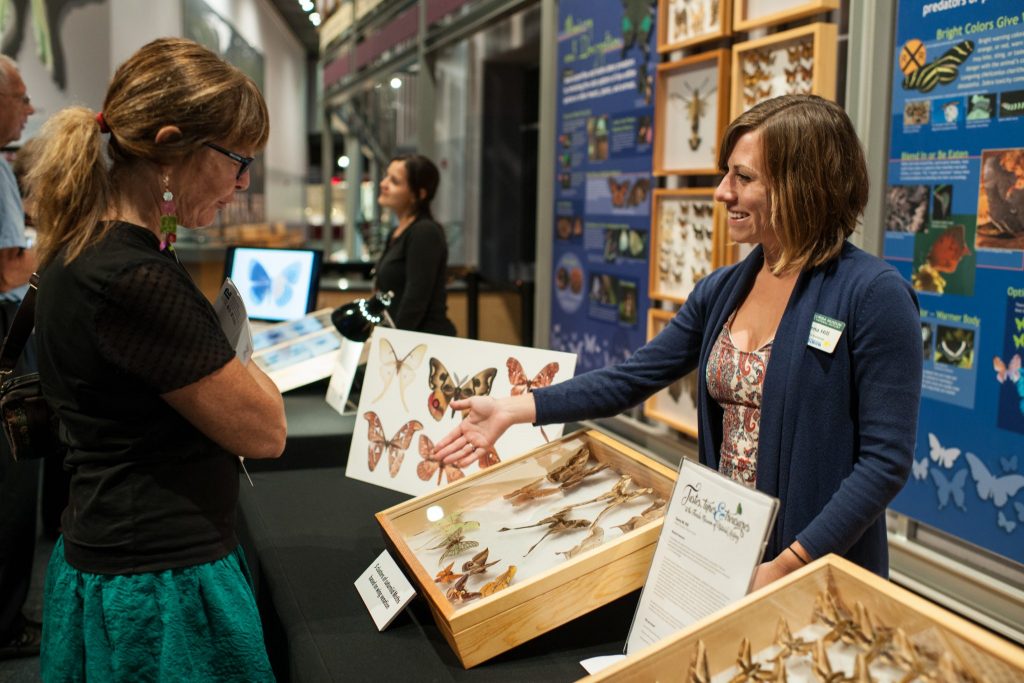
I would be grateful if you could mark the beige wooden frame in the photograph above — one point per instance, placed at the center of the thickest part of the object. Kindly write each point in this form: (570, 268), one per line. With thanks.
(657, 319)
(719, 242)
(723, 30)
(743, 22)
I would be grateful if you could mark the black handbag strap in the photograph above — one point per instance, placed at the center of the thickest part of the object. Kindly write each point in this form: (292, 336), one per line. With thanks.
(21, 328)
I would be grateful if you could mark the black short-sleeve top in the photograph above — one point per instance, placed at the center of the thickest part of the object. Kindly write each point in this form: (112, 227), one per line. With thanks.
(116, 328)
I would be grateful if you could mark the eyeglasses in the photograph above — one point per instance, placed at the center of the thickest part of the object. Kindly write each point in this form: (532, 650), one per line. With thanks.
(25, 99)
(243, 162)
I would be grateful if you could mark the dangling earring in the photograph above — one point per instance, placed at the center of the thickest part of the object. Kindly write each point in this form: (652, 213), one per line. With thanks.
(168, 218)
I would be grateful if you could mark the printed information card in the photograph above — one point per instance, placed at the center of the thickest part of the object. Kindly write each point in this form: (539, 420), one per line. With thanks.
(714, 535)
(384, 589)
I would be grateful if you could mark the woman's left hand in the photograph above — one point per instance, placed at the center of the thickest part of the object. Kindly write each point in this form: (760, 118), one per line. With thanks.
(783, 564)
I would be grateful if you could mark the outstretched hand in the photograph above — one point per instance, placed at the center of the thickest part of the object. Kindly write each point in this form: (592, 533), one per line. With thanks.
(476, 434)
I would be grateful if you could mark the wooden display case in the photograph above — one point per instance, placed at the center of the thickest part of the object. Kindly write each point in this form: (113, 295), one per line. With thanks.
(676, 404)
(685, 23)
(754, 13)
(552, 584)
(929, 628)
(799, 61)
(687, 241)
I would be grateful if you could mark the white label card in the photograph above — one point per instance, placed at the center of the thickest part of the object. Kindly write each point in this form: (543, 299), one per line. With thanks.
(713, 538)
(384, 589)
(230, 310)
(344, 374)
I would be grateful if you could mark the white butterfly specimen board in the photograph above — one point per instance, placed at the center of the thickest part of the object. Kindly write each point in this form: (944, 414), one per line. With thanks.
(404, 407)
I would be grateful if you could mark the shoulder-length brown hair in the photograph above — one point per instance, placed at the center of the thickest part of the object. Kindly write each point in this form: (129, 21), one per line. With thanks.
(815, 172)
(168, 82)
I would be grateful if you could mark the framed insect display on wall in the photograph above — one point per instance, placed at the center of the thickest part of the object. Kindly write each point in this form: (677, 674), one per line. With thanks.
(405, 407)
(690, 113)
(684, 23)
(683, 244)
(800, 61)
(676, 404)
(753, 13)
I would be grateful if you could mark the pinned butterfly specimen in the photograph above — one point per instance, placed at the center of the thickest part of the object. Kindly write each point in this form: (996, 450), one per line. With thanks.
(431, 463)
(404, 368)
(703, 210)
(396, 445)
(446, 575)
(500, 582)
(458, 592)
(998, 489)
(619, 191)
(1007, 371)
(953, 486)
(556, 523)
(530, 492)
(445, 388)
(1007, 524)
(791, 75)
(479, 563)
(920, 469)
(277, 289)
(593, 539)
(656, 510)
(941, 455)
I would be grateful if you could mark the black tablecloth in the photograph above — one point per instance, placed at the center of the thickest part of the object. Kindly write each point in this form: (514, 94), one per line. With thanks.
(310, 533)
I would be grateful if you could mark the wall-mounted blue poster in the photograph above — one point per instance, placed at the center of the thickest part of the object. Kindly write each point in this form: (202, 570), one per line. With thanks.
(606, 64)
(955, 229)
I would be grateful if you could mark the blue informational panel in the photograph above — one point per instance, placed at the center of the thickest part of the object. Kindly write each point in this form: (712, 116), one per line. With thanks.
(606, 65)
(955, 228)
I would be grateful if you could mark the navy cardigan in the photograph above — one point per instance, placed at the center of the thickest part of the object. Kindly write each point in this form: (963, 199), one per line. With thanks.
(837, 430)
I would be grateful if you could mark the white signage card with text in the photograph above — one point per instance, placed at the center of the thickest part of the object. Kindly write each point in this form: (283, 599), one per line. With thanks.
(713, 538)
(384, 589)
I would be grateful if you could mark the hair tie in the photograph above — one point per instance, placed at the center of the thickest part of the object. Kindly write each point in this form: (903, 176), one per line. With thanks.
(104, 128)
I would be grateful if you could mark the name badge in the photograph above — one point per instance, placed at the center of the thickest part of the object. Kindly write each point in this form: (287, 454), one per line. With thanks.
(825, 333)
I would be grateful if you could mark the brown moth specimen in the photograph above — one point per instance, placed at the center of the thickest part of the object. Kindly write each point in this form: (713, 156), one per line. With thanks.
(620, 495)
(787, 644)
(500, 583)
(656, 510)
(454, 544)
(458, 592)
(446, 575)
(479, 563)
(749, 670)
(530, 492)
(593, 539)
(557, 522)
(699, 671)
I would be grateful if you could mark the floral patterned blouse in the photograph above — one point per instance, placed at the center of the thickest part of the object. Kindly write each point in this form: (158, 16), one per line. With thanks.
(735, 380)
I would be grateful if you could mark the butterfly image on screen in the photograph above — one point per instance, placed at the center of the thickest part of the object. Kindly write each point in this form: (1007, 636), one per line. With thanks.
(446, 387)
(277, 289)
(953, 486)
(998, 489)
(943, 456)
(396, 445)
(405, 367)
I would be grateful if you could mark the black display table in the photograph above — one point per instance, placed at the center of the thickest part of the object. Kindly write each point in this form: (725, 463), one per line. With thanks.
(309, 533)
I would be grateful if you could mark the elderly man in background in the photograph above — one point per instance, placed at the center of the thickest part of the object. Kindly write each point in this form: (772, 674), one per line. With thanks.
(19, 481)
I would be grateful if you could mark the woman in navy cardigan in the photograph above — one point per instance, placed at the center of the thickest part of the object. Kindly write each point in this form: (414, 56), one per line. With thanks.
(807, 351)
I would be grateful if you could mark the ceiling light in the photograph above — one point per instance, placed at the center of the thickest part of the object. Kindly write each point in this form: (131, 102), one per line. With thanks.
(396, 82)
(343, 161)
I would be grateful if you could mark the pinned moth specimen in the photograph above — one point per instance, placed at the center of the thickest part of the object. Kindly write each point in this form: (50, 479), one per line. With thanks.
(454, 544)
(404, 368)
(530, 492)
(396, 445)
(500, 583)
(446, 575)
(446, 387)
(451, 530)
(479, 563)
(749, 670)
(593, 539)
(699, 670)
(458, 592)
(787, 644)
(431, 463)
(656, 510)
(557, 523)
(574, 470)
(618, 495)
(830, 612)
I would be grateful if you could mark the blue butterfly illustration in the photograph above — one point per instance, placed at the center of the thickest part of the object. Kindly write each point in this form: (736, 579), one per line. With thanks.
(999, 489)
(955, 486)
(279, 288)
(1008, 464)
(1020, 511)
(1006, 523)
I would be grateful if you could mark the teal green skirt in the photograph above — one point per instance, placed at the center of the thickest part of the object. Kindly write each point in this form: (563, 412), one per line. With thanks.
(192, 624)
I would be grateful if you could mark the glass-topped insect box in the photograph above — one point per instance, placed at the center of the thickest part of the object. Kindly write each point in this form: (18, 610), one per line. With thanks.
(829, 621)
(527, 545)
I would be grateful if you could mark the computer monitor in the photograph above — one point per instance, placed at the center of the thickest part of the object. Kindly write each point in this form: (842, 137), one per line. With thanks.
(276, 284)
